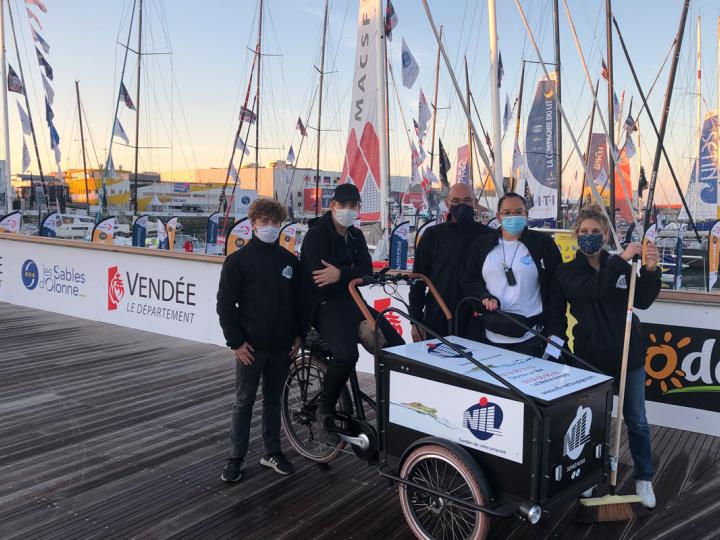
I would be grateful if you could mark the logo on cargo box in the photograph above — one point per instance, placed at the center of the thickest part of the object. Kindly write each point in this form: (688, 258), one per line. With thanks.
(30, 274)
(440, 349)
(578, 433)
(116, 288)
(483, 419)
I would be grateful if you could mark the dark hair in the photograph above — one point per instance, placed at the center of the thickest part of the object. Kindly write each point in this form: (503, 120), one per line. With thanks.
(592, 211)
(511, 195)
(268, 208)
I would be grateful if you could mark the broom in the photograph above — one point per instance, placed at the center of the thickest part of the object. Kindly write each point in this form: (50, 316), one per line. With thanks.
(614, 507)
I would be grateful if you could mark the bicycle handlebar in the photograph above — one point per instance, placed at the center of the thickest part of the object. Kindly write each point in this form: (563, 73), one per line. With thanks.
(393, 276)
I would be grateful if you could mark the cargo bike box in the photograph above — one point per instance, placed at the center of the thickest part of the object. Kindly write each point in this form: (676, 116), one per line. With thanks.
(539, 438)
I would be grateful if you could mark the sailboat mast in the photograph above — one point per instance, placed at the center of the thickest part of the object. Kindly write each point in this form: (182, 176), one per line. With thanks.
(380, 43)
(514, 174)
(698, 61)
(495, 92)
(469, 127)
(29, 112)
(257, 97)
(318, 199)
(587, 148)
(434, 103)
(611, 107)
(137, 110)
(6, 127)
(559, 160)
(82, 145)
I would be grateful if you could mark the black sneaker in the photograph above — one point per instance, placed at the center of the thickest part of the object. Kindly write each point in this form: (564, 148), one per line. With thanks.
(233, 471)
(278, 463)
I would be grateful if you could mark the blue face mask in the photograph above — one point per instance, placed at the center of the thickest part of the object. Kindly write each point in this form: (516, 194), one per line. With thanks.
(590, 243)
(514, 225)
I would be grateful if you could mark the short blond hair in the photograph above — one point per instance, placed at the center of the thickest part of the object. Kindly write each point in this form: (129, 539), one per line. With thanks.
(592, 211)
(268, 208)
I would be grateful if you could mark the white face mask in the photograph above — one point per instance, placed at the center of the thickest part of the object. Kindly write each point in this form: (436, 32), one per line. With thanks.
(267, 234)
(345, 216)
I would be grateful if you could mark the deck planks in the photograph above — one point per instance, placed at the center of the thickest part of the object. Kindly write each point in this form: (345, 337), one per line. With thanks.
(107, 432)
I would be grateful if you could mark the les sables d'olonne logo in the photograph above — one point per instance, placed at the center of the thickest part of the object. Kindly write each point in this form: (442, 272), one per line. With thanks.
(116, 289)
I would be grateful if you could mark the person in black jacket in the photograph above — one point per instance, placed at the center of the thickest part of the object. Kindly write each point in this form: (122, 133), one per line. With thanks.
(514, 269)
(260, 308)
(334, 252)
(596, 285)
(440, 256)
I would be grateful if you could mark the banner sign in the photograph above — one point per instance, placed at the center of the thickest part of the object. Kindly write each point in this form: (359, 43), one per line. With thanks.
(309, 202)
(243, 199)
(701, 195)
(623, 185)
(171, 226)
(50, 224)
(599, 167)
(541, 152)
(713, 254)
(239, 236)
(213, 225)
(162, 235)
(287, 237)
(11, 223)
(399, 246)
(462, 169)
(104, 231)
(361, 165)
(139, 231)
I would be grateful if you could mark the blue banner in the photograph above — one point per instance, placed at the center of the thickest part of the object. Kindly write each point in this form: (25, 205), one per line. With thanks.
(540, 138)
(50, 225)
(139, 231)
(399, 246)
(709, 161)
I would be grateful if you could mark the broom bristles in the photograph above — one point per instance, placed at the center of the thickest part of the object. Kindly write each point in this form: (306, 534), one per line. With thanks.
(607, 508)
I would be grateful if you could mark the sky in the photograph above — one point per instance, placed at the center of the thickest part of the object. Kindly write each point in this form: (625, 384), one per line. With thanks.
(193, 81)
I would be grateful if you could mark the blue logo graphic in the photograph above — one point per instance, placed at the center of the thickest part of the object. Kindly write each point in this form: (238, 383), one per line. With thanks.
(483, 419)
(30, 274)
(405, 59)
(245, 199)
(526, 260)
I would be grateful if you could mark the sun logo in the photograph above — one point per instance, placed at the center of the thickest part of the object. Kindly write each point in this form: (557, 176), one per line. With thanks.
(661, 361)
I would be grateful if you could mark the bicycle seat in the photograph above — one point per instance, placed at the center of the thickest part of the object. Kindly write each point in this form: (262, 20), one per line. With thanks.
(366, 336)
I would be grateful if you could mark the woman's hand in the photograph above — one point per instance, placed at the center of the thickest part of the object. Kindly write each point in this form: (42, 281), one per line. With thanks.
(632, 250)
(651, 257)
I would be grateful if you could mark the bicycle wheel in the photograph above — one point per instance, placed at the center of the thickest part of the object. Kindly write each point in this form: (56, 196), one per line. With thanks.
(299, 403)
(432, 517)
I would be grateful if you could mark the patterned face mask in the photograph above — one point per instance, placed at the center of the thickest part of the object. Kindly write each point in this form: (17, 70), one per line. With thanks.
(590, 243)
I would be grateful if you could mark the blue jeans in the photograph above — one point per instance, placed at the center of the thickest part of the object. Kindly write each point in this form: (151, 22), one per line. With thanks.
(637, 426)
(273, 368)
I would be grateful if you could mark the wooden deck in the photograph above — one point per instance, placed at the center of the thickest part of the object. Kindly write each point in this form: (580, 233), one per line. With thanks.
(107, 432)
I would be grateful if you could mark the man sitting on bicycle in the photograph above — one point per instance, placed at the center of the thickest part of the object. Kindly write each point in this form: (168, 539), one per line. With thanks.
(334, 253)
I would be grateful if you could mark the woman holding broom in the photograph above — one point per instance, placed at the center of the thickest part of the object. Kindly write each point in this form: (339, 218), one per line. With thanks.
(596, 284)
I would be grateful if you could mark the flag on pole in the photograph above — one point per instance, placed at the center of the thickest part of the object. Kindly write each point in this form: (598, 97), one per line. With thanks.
(630, 124)
(37, 3)
(462, 173)
(417, 128)
(501, 70)
(246, 115)
(410, 68)
(391, 19)
(630, 149)
(33, 17)
(506, 114)
(54, 136)
(25, 157)
(291, 155)
(44, 64)
(604, 71)
(49, 93)
(119, 132)
(110, 167)
(125, 96)
(24, 120)
(642, 182)
(517, 162)
(301, 127)
(240, 145)
(14, 82)
(56, 149)
(424, 114)
(37, 38)
(233, 173)
(444, 165)
(616, 107)
(49, 114)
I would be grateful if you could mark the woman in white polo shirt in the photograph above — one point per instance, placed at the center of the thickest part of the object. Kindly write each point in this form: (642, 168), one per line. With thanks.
(514, 270)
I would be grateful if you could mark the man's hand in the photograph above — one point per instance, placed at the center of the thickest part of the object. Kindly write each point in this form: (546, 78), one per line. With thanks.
(244, 354)
(295, 347)
(490, 304)
(327, 276)
(417, 333)
(651, 256)
(631, 251)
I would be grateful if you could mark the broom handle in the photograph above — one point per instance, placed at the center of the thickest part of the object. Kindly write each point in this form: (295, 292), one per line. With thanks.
(623, 370)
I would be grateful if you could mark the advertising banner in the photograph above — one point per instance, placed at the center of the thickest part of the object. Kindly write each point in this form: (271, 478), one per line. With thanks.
(50, 224)
(162, 234)
(702, 194)
(287, 237)
(399, 246)
(239, 236)
(713, 254)
(171, 226)
(104, 231)
(243, 200)
(139, 231)
(11, 223)
(599, 167)
(213, 226)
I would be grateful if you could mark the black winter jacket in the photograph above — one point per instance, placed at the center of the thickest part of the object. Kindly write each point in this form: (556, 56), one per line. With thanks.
(598, 300)
(547, 258)
(440, 256)
(349, 253)
(259, 299)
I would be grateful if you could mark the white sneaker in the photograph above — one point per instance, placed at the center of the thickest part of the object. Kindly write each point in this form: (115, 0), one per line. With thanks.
(588, 493)
(645, 491)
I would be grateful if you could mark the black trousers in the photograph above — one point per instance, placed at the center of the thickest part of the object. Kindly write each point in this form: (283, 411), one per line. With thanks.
(338, 322)
(532, 347)
(273, 368)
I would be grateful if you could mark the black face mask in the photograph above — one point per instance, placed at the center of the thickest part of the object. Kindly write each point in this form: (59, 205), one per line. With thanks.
(462, 213)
